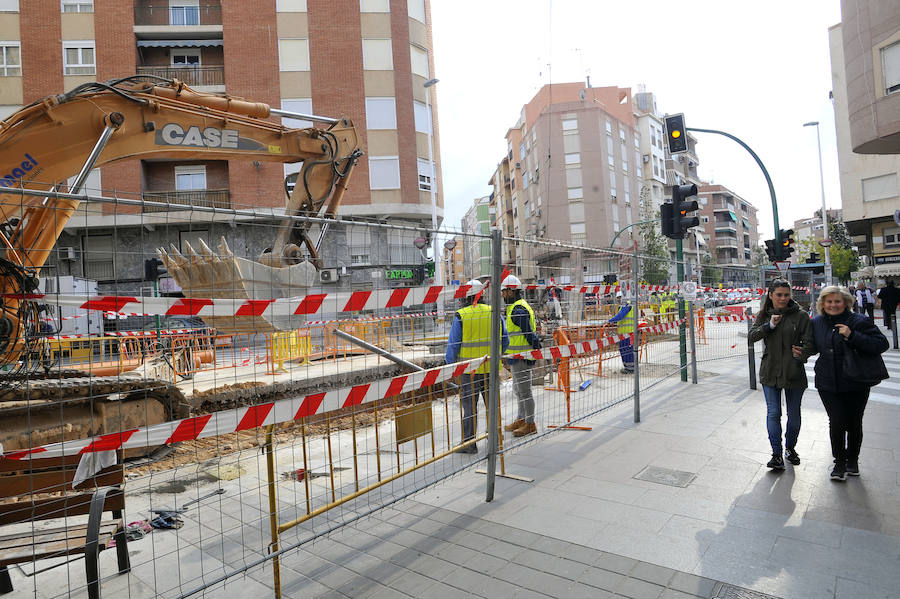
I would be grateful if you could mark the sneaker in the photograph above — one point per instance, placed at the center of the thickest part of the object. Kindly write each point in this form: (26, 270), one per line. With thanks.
(839, 472)
(777, 462)
(514, 425)
(792, 456)
(529, 428)
(852, 468)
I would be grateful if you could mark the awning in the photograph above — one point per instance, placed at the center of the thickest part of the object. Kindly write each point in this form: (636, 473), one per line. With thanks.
(732, 215)
(699, 237)
(178, 43)
(746, 223)
(887, 270)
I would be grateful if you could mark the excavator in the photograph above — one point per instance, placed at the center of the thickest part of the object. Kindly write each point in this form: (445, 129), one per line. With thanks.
(45, 144)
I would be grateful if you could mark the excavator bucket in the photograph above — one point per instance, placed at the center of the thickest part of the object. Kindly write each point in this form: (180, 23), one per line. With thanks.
(206, 274)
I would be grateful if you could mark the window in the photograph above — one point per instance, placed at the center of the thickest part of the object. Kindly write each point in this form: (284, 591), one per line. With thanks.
(879, 188)
(359, 244)
(522, 150)
(570, 124)
(384, 172)
(10, 59)
(78, 5)
(9, 5)
(577, 228)
(97, 251)
(890, 68)
(381, 113)
(624, 161)
(891, 237)
(574, 193)
(573, 158)
(290, 5)
(377, 55)
(422, 116)
(419, 61)
(184, 12)
(293, 54)
(190, 177)
(622, 136)
(426, 174)
(416, 9)
(374, 6)
(91, 185)
(185, 57)
(608, 126)
(638, 165)
(524, 181)
(300, 105)
(576, 212)
(78, 58)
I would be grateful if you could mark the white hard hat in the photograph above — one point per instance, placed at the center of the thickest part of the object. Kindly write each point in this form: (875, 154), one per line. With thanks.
(474, 287)
(618, 294)
(511, 282)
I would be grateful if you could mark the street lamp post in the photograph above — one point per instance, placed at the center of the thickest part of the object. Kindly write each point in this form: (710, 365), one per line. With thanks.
(825, 234)
(434, 224)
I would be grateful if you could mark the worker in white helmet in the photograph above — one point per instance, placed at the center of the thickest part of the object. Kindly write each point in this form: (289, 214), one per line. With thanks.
(523, 337)
(470, 337)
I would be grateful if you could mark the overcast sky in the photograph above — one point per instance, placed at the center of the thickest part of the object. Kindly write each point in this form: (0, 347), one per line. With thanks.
(757, 70)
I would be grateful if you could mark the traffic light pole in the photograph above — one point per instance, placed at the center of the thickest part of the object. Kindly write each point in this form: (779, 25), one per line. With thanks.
(682, 342)
(765, 173)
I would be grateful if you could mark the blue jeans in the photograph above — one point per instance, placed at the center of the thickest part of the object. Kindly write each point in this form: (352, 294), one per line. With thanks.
(626, 351)
(792, 399)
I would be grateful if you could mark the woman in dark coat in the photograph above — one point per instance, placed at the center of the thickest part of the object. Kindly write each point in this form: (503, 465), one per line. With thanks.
(836, 329)
(786, 332)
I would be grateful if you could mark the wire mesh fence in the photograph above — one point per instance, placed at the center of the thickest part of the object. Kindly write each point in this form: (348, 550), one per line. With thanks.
(235, 411)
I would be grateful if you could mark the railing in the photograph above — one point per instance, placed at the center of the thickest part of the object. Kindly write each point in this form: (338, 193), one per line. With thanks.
(207, 198)
(159, 13)
(194, 76)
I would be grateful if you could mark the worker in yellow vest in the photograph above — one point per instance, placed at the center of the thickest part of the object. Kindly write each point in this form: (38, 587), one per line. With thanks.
(624, 320)
(523, 337)
(668, 307)
(470, 337)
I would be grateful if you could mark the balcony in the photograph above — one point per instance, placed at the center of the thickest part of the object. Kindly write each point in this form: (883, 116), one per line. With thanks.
(203, 198)
(725, 227)
(161, 14)
(726, 241)
(193, 76)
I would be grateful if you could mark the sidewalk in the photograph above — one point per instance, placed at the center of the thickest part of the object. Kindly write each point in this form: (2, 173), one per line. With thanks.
(587, 527)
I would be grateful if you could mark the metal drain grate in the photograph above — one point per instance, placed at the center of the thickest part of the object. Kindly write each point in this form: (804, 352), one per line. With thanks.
(665, 476)
(729, 591)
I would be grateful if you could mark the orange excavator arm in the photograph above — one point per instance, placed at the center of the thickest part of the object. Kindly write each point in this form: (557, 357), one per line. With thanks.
(46, 143)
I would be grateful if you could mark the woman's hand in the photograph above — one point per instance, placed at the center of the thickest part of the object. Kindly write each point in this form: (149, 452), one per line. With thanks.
(843, 330)
(773, 322)
(796, 350)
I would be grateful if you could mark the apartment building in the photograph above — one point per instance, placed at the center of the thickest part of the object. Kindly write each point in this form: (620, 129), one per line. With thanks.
(477, 250)
(367, 59)
(454, 261)
(574, 153)
(731, 229)
(650, 125)
(812, 227)
(865, 67)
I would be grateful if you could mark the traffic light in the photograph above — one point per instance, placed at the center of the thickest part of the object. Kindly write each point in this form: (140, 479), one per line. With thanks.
(676, 136)
(771, 250)
(153, 269)
(666, 220)
(681, 218)
(787, 241)
(813, 258)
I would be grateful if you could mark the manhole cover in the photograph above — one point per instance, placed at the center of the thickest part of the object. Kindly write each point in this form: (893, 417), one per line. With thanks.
(665, 476)
(729, 591)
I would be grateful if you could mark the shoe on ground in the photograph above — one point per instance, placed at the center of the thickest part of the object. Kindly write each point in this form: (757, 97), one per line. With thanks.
(839, 472)
(777, 462)
(529, 428)
(467, 449)
(628, 371)
(514, 425)
(852, 468)
(792, 456)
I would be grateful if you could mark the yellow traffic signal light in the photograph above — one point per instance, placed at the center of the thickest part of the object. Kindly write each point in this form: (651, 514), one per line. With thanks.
(675, 137)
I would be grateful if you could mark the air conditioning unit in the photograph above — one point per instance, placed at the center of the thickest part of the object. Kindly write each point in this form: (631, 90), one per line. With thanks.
(646, 158)
(518, 165)
(328, 275)
(67, 253)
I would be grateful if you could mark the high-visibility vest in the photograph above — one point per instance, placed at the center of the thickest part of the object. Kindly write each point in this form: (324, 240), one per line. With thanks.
(626, 325)
(517, 341)
(476, 334)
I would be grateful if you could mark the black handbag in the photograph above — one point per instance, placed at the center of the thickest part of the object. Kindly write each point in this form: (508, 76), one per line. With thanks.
(863, 368)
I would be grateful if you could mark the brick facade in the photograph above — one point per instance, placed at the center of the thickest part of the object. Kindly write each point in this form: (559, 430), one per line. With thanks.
(41, 38)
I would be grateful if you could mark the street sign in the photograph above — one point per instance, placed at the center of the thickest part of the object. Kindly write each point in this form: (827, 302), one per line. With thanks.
(689, 290)
(782, 265)
(825, 243)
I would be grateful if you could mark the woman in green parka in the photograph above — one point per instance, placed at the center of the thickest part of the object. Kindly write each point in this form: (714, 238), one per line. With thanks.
(785, 330)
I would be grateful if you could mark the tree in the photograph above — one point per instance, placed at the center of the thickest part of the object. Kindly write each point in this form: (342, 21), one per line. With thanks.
(712, 275)
(838, 232)
(843, 262)
(758, 257)
(654, 269)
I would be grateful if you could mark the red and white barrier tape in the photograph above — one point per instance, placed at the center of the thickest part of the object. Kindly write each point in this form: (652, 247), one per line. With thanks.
(230, 421)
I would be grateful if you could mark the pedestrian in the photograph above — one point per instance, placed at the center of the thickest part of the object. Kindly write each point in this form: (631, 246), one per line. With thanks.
(889, 296)
(624, 320)
(523, 337)
(470, 338)
(786, 333)
(553, 298)
(865, 301)
(654, 306)
(845, 341)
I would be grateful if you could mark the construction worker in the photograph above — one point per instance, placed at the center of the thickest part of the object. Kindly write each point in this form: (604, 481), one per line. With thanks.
(624, 320)
(470, 337)
(523, 337)
(668, 307)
